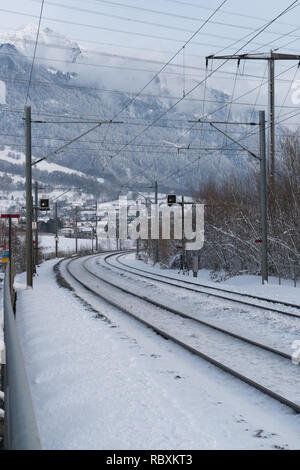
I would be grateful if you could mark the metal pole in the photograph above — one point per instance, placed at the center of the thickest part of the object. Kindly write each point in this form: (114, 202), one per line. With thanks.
(157, 221)
(56, 230)
(137, 240)
(271, 57)
(76, 231)
(96, 226)
(28, 196)
(271, 125)
(10, 256)
(263, 189)
(36, 248)
(195, 264)
(182, 228)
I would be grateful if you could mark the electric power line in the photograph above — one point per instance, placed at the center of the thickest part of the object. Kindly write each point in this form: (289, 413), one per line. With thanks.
(34, 53)
(295, 3)
(209, 75)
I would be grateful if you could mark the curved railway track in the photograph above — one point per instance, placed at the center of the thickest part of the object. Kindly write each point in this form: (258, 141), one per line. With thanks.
(210, 290)
(276, 355)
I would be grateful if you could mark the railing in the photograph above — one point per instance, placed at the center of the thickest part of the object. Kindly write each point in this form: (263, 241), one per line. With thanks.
(20, 427)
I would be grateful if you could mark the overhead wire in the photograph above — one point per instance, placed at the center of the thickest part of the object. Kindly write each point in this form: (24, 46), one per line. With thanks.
(172, 14)
(142, 89)
(34, 53)
(286, 10)
(59, 20)
(210, 74)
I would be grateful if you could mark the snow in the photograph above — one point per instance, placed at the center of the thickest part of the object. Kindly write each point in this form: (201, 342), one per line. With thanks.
(43, 166)
(269, 328)
(67, 244)
(114, 384)
(275, 373)
(246, 283)
(15, 178)
(24, 40)
(47, 243)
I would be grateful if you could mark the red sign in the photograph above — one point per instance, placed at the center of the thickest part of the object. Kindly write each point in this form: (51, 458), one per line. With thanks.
(12, 216)
(258, 241)
(178, 247)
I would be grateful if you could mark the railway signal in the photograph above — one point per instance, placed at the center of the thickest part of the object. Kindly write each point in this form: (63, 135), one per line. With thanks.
(44, 204)
(171, 199)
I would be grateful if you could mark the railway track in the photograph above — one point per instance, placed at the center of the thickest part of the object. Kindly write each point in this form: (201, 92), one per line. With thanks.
(154, 316)
(209, 290)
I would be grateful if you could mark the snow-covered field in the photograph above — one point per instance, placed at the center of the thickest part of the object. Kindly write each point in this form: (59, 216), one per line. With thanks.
(114, 384)
(47, 244)
(67, 245)
(43, 166)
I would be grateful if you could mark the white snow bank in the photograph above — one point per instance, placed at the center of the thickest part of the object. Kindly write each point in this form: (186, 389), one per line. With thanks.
(47, 243)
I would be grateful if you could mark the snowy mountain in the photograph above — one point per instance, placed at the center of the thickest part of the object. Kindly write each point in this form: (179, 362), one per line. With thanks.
(66, 88)
(24, 41)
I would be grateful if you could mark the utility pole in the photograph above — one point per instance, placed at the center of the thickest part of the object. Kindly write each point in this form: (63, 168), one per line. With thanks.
(10, 254)
(96, 226)
(271, 57)
(182, 228)
(11, 263)
(263, 181)
(36, 247)
(157, 221)
(56, 229)
(271, 133)
(29, 264)
(263, 189)
(138, 239)
(76, 230)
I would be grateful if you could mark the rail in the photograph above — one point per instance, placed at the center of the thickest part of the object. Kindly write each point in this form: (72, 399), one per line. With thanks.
(115, 302)
(20, 427)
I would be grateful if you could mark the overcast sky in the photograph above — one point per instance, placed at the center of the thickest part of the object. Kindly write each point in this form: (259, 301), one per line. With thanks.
(258, 10)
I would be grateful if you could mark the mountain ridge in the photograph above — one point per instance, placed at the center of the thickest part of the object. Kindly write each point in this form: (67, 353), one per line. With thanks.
(57, 94)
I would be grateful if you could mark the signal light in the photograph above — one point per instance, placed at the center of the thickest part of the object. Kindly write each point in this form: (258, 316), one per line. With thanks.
(171, 199)
(44, 204)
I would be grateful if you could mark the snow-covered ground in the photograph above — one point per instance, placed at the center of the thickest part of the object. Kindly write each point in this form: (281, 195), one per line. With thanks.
(264, 326)
(43, 166)
(114, 384)
(67, 245)
(47, 243)
(245, 283)
(273, 372)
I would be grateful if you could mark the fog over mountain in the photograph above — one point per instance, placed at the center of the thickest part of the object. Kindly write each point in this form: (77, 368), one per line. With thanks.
(70, 83)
